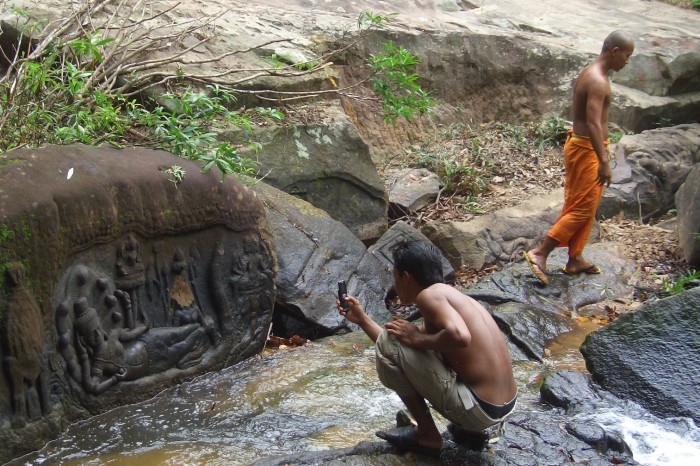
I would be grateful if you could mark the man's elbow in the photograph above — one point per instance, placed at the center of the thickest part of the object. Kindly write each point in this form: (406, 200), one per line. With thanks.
(462, 339)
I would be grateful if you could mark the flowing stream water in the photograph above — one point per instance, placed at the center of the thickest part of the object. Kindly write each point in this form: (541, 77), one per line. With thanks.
(320, 396)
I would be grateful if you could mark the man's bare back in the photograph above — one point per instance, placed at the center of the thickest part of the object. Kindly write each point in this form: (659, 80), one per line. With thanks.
(484, 365)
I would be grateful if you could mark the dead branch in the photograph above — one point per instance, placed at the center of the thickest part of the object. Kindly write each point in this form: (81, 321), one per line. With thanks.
(136, 59)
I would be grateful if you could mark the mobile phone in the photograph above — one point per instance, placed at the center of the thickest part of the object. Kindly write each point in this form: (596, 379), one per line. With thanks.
(342, 292)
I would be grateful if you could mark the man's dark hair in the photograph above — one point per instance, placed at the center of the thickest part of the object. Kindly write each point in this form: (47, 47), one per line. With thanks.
(421, 259)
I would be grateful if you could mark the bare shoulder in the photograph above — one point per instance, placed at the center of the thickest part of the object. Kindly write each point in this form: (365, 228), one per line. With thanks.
(436, 291)
(435, 295)
(443, 293)
(591, 78)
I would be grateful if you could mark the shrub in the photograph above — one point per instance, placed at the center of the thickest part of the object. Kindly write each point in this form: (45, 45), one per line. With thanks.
(77, 86)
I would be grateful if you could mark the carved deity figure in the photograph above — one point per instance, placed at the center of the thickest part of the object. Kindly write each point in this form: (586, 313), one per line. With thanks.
(183, 306)
(105, 358)
(130, 274)
(24, 344)
(251, 274)
(183, 303)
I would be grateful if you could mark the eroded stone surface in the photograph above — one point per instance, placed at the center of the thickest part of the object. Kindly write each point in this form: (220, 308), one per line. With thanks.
(118, 282)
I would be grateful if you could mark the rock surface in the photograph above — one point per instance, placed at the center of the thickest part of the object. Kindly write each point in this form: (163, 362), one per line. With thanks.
(496, 238)
(650, 356)
(410, 189)
(651, 167)
(688, 205)
(326, 163)
(314, 252)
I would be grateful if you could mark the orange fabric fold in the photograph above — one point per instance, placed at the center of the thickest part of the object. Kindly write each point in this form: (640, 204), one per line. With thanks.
(582, 195)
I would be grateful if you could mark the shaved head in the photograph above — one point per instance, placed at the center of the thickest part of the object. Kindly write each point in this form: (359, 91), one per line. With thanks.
(619, 39)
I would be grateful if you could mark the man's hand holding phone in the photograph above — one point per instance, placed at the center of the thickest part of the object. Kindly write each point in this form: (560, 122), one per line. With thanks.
(342, 294)
(350, 308)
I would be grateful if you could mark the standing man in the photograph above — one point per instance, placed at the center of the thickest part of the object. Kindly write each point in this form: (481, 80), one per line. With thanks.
(457, 361)
(586, 159)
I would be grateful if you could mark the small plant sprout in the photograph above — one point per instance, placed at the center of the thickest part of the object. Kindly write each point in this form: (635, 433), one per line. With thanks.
(175, 174)
(683, 282)
(605, 291)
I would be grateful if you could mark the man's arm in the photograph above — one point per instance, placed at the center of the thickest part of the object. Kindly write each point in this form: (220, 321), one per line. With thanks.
(595, 103)
(446, 330)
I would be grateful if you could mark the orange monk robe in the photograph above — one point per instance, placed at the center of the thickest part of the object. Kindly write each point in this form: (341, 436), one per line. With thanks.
(582, 194)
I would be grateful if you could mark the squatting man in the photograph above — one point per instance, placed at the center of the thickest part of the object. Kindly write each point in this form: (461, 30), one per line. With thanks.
(457, 360)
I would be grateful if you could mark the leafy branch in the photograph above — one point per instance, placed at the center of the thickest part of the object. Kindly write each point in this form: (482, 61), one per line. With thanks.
(83, 78)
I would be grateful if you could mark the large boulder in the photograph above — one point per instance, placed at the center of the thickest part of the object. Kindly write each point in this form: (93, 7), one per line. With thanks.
(314, 252)
(118, 281)
(651, 166)
(688, 207)
(650, 356)
(326, 163)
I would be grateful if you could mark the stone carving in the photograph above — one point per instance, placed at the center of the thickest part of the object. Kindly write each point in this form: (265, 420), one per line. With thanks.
(243, 284)
(104, 340)
(24, 336)
(119, 261)
(130, 273)
(64, 330)
(183, 305)
(251, 271)
(101, 347)
(104, 359)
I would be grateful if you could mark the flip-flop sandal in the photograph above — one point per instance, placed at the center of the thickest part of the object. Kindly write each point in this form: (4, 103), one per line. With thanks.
(539, 273)
(593, 270)
(404, 438)
(475, 441)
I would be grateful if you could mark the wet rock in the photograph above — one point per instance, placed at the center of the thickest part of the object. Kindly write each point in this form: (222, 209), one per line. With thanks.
(571, 390)
(539, 438)
(650, 356)
(314, 251)
(529, 329)
(529, 439)
(530, 314)
(595, 436)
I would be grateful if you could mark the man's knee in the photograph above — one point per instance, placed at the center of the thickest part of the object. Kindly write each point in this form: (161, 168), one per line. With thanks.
(388, 371)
